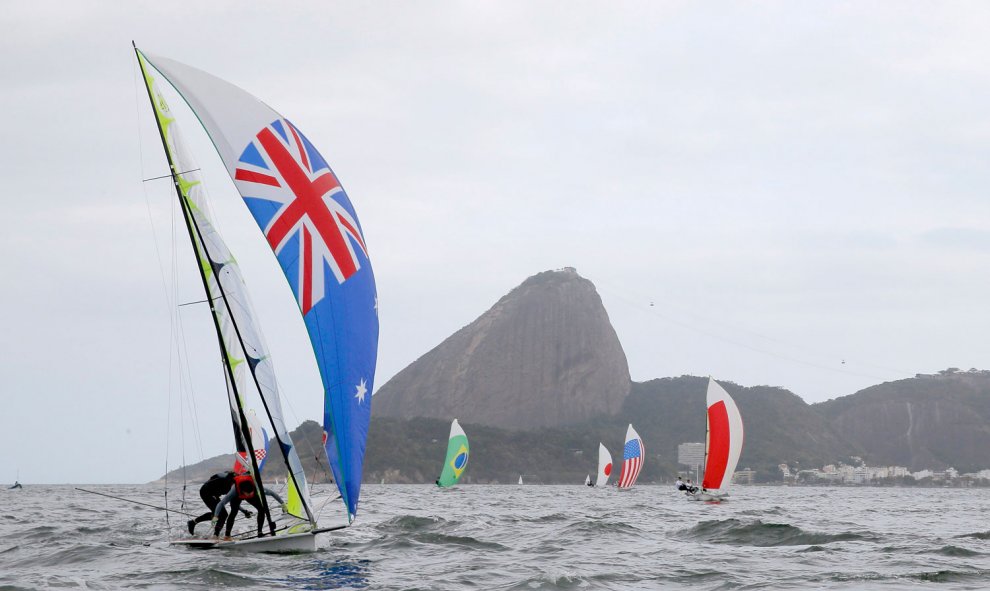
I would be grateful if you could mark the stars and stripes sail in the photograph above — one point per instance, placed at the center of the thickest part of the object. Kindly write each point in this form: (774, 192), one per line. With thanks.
(632, 459)
(314, 232)
(725, 438)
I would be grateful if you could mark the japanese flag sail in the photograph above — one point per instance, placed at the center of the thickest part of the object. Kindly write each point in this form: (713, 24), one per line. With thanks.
(604, 465)
(314, 232)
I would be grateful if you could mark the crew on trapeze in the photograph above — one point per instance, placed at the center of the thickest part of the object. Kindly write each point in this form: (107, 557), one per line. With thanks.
(243, 489)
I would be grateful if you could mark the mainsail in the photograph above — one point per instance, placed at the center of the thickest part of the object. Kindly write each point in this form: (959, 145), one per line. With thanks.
(457, 457)
(604, 465)
(313, 230)
(248, 367)
(725, 438)
(632, 459)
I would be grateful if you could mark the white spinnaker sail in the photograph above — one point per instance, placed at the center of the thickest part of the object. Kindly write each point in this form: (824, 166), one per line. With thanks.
(725, 438)
(604, 465)
(247, 354)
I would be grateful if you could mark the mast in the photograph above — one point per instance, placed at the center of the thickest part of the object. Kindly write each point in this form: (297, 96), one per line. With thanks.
(194, 233)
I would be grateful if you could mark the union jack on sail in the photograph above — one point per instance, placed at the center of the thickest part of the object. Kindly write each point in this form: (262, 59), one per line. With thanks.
(632, 459)
(295, 197)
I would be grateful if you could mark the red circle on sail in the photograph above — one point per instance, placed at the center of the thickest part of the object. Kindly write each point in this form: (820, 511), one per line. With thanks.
(608, 469)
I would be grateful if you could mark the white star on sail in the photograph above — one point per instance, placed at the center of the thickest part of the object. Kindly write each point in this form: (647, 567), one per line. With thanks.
(361, 390)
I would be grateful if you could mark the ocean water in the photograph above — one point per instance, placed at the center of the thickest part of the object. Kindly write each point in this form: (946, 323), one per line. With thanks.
(523, 537)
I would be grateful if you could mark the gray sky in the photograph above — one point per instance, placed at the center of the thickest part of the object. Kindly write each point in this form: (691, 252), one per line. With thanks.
(790, 185)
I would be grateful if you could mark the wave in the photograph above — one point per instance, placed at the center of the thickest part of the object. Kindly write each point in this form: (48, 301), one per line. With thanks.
(411, 523)
(950, 576)
(758, 533)
(980, 535)
(951, 550)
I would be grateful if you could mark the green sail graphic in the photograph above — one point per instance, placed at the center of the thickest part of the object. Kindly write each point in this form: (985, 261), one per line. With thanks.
(457, 457)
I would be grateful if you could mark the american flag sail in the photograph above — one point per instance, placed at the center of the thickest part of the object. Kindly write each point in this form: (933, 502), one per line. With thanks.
(314, 232)
(632, 459)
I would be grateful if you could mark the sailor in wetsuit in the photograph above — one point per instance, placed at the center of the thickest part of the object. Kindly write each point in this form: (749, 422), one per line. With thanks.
(211, 492)
(243, 489)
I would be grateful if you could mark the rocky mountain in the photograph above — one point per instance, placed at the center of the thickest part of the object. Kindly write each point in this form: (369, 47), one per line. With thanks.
(929, 421)
(544, 355)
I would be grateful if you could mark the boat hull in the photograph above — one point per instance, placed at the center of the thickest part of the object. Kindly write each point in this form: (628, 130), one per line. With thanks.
(288, 543)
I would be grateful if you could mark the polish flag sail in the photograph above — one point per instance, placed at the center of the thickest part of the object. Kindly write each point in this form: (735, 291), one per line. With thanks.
(632, 459)
(725, 438)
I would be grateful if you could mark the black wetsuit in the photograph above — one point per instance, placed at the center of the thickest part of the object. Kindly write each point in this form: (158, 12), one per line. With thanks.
(211, 492)
(235, 505)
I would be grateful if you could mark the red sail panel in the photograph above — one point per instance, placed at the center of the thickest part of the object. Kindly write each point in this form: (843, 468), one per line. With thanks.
(718, 446)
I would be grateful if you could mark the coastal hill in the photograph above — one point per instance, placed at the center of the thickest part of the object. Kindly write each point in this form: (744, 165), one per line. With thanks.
(540, 378)
(948, 424)
(544, 355)
(929, 421)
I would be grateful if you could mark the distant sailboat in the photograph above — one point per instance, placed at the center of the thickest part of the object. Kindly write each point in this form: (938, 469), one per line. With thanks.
(520, 479)
(587, 480)
(723, 446)
(17, 482)
(604, 466)
(632, 459)
(457, 457)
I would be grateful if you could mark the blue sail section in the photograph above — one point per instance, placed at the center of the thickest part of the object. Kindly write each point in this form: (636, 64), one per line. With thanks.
(313, 228)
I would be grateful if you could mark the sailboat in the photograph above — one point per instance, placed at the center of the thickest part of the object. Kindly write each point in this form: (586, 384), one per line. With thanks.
(723, 445)
(604, 466)
(457, 457)
(633, 454)
(520, 480)
(587, 480)
(313, 231)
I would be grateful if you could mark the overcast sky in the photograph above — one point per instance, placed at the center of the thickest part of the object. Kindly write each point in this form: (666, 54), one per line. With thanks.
(779, 193)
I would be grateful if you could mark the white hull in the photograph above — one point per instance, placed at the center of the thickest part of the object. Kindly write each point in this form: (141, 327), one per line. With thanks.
(304, 542)
(707, 496)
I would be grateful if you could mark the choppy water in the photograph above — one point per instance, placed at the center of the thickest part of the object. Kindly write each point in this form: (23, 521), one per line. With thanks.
(525, 537)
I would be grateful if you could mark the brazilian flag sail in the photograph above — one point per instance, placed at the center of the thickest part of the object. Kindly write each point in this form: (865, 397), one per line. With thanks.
(457, 457)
